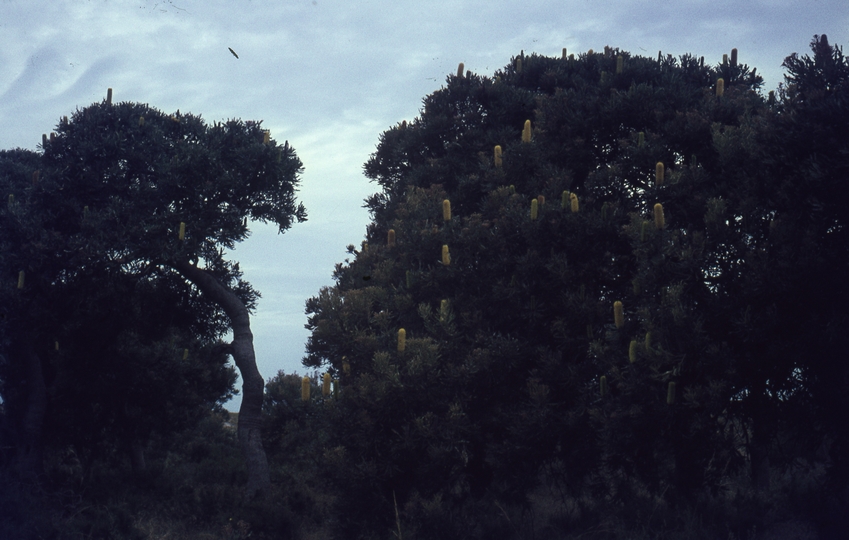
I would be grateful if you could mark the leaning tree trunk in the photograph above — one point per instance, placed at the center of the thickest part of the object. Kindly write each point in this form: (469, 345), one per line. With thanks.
(250, 413)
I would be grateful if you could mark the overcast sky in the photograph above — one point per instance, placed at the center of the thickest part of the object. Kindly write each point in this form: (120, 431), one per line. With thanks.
(329, 76)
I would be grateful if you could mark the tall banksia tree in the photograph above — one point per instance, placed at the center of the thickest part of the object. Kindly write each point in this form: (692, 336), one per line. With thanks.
(530, 297)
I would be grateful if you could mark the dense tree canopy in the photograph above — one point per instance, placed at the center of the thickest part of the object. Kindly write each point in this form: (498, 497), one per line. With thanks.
(612, 274)
(121, 233)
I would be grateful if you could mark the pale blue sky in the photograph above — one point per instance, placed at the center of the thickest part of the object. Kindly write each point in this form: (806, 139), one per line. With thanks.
(329, 76)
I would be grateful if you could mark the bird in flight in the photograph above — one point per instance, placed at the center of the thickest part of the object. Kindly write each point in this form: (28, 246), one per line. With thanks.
(233, 52)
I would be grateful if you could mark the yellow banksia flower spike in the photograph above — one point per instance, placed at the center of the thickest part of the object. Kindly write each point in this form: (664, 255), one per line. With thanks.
(720, 87)
(518, 64)
(325, 385)
(446, 256)
(56, 345)
(632, 351)
(497, 155)
(21, 276)
(266, 136)
(734, 57)
(402, 340)
(182, 234)
(185, 354)
(670, 393)
(564, 56)
(641, 139)
(659, 220)
(534, 209)
(618, 314)
(443, 309)
(602, 385)
(643, 231)
(526, 132)
(141, 121)
(390, 238)
(541, 199)
(461, 69)
(724, 59)
(446, 210)
(659, 173)
(573, 201)
(109, 96)
(305, 388)
(620, 64)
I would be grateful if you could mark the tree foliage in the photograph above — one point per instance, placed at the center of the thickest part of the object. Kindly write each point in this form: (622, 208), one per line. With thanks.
(664, 188)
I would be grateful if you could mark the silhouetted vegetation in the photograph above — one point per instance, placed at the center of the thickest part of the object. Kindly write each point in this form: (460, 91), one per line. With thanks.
(601, 296)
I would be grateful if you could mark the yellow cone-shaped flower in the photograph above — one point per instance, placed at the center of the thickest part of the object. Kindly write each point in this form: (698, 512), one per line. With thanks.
(632, 351)
(141, 121)
(182, 234)
(618, 314)
(534, 209)
(446, 210)
(305, 388)
(390, 238)
(620, 64)
(460, 70)
(659, 173)
(526, 132)
(185, 354)
(446, 256)
(497, 155)
(325, 385)
(402, 340)
(573, 201)
(659, 220)
(720, 87)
